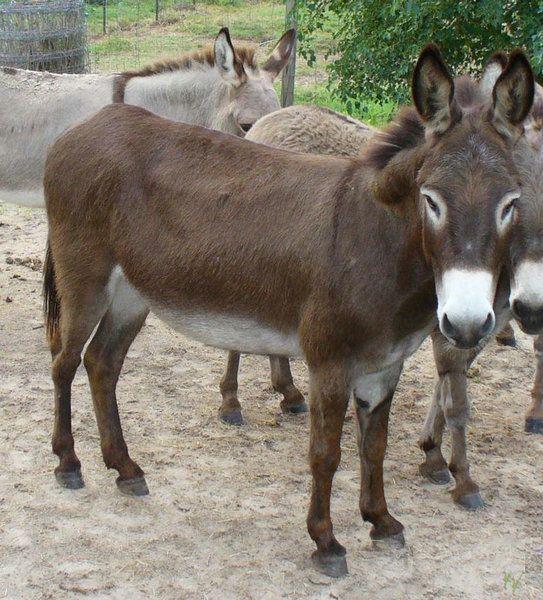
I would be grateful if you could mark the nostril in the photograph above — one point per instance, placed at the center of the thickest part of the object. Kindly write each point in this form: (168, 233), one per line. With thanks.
(488, 325)
(520, 309)
(246, 126)
(448, 328)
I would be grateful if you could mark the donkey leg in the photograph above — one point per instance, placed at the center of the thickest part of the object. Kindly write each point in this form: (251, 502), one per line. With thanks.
(506, 337)
(103, 360)
(329, 400)
(373, 397)
(435, 466)
(534, 416)
(230, 409)
(281, 377)
(78, 319)
(452, 365)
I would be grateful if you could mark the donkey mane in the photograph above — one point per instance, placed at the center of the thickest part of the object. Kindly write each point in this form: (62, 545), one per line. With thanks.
(203, 57)
(407, 128)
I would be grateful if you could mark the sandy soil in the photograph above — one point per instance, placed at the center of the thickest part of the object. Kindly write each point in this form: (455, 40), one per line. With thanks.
(226, 514)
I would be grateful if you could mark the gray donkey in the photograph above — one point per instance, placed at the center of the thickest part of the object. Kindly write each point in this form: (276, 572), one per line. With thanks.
(220, 87)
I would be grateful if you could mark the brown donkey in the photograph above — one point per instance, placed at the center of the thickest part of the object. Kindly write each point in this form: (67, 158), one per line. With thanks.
(525, 278)
(248, 248)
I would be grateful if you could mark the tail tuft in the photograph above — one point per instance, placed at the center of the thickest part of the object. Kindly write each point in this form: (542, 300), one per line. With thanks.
(51, 303)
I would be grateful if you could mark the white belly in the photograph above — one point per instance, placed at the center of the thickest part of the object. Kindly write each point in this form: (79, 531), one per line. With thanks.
(230, 332)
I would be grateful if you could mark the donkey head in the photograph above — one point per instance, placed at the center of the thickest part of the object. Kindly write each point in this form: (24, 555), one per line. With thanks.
(526, 298)
(251, 91)
(468, 189)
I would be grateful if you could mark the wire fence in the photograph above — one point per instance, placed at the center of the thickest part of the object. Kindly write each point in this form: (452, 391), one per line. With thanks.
(44, 35)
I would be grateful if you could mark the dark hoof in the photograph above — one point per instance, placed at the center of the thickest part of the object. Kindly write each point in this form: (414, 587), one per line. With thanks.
(507, 341)
(390, 541)
(136, 486)
(471, 501)
(533, 425)
(440, 477)
(71, 480)
(233, 417)
(333, 565)
(294, 409)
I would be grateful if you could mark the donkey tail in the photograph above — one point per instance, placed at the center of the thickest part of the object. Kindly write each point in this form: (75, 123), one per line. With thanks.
(51, 302)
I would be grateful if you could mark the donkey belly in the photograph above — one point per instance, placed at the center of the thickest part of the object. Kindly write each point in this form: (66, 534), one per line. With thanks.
(229, 332)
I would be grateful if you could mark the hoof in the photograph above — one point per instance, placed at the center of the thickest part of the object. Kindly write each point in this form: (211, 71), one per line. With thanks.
(136, 486)
(390, 541)
(507, 341)
(233, 417)
(71, 480)
(294, 409)
(532, 425)
(439, 477)
(333, 565)
(472, 501)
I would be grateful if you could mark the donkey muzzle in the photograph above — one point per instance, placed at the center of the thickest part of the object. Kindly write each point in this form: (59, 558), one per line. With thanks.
(528, 316)
(467, 334)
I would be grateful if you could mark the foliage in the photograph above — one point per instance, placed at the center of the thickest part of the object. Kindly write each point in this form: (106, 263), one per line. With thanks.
(375, 43)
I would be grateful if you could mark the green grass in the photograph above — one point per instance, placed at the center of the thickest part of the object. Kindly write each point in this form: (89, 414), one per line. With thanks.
(134, 38)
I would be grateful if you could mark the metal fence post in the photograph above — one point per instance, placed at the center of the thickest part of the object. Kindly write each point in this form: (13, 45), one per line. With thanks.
(289, 72)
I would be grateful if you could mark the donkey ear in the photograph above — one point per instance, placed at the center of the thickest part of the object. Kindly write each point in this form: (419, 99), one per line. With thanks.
(513, 95)
(493, 69)
(281, 54)
(228, 64)
(433, 90)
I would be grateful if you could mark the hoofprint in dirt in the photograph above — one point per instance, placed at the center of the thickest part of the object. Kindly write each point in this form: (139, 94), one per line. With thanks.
(226, 514)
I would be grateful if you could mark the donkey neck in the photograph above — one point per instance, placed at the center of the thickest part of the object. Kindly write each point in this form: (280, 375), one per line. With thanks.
(198, 96)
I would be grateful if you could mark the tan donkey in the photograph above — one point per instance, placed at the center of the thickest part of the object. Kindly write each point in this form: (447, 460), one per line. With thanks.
(348, 263)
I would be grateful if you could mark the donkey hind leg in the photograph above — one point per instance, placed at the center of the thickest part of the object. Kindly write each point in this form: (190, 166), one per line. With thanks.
(79, 317)
(452, 398)
(506, 337)
(103, 360)
(373, 397)
(534, 416)
(329, 400)
(281, 377)
(230, 409)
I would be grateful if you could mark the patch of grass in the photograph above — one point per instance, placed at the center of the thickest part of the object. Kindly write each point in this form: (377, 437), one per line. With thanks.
(374, 113)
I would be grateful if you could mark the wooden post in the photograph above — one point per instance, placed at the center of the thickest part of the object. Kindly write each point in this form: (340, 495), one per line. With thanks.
(289, 72)
(104, 17)
(157, 10)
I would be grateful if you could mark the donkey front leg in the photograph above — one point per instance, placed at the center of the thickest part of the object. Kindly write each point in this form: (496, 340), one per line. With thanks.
(506, 337)
(534, 416)
(282, 382)
(230, 409)
(373, 396)
(328, 404)
(450, 404)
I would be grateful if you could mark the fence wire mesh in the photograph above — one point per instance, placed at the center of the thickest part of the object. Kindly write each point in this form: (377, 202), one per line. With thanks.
(41, 35)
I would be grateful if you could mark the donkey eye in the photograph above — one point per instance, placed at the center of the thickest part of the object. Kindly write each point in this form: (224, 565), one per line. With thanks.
(433, 205)
(508, 209)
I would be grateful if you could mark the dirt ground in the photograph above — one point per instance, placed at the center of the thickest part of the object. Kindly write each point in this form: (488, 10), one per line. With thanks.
(226, 515)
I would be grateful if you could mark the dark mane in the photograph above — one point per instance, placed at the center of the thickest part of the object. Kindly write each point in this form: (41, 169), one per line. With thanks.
(203, 56)
(407, 129)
